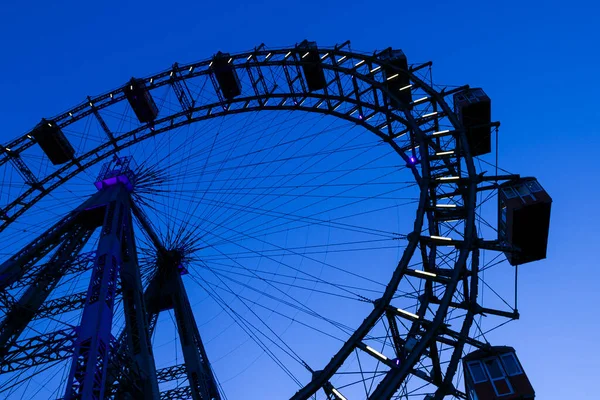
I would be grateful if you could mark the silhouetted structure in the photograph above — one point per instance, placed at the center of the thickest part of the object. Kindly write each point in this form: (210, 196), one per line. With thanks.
(473, 107)
(524, 219)
(53, 142)
(226, 76)
(373, 91)
(397, 79)
(141, 100)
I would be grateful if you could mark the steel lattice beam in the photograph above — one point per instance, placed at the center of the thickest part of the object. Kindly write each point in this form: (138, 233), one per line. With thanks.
(102, 123)
(115, 377)
(49, 347)
(24, 170)
(23, 311)
(62, 305)
(200, 376)
(66, 304)
(171, 373)
(467, 186)
(182, 92)
(81, 263)
(169, 292)
(15, 267)
(181, 393)
(90, 359)
(138, 336)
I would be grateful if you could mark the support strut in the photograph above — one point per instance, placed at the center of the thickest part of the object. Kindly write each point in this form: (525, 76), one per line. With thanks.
(136, 319)
(200, 376)
(30, 302)
(90, 358)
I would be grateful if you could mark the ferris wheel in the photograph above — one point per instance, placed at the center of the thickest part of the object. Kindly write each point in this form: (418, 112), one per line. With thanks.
(302, 222)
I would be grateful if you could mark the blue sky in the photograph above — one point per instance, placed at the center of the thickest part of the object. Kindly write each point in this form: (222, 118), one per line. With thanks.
(537, 60)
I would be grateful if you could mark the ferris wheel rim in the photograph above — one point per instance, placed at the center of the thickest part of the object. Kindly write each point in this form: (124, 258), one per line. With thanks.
(422, 180)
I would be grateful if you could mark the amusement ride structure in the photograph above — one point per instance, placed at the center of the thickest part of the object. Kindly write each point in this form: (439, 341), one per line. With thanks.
(238, 227)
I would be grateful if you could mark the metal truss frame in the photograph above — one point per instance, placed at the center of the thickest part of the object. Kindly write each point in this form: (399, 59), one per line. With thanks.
(445, 168)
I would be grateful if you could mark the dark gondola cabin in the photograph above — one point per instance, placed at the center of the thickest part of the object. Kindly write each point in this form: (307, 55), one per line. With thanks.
(496, 373)
(53, 142)
(226, 75)
(311, 65)
(397, 79)
(141, 101)
(473, 107)
(524, 220)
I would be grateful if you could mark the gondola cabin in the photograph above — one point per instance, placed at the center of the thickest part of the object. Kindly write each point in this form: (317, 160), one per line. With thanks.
(396, 78)
(141, 101)
(310, 60)
(226, 75)
(53, 142)
(496, 373)
(473, 107)
(524, 220)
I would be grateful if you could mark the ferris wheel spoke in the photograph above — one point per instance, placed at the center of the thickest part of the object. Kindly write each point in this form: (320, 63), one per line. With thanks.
(230, 268)
(310, 220)
(249, 329)
(286, 285)
(274, 311)
(245, 248)
(333, 222)
(291, 299)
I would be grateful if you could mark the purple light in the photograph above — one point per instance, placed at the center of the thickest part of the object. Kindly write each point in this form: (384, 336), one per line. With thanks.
(397, 361)
(360, 117)
(113, 180)
(413, 160)
(182, 269)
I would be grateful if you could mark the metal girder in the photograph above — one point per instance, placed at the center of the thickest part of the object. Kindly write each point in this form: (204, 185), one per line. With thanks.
(61, 305)
(15, 267)
(26, 199)
(24, 170)
(23, 311)
(138, 335)
(12, 269)
(127, 372)
(6, 300)
(114, 374)
(36, 350)
(115, 379)
(82, 110)
(435, 364)
(145, 222)
(290, 81)
(181, 393)
(477, 309)
(166, 290)
(101, 121)
(215, 84)
(81, 263)
(182, 92)
(252, 64)
(396, 339)
(171, 373)
(66, 304)
(87, 376)
(202, 382)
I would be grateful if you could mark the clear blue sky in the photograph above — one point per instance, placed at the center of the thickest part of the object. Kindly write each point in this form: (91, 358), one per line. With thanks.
(538, 61)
